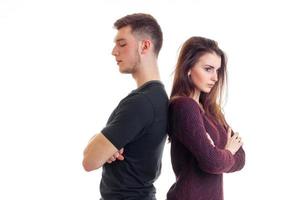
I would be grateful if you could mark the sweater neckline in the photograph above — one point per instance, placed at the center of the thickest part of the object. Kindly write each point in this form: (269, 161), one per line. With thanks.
(198, 104)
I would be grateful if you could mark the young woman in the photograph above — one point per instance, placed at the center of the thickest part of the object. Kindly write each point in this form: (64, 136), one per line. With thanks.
(203, 147)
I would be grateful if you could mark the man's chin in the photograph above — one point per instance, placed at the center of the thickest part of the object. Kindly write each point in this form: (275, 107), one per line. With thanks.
(123, 71)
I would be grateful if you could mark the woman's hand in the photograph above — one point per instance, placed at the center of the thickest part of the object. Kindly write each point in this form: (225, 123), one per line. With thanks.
(233, 142)
(210, 140)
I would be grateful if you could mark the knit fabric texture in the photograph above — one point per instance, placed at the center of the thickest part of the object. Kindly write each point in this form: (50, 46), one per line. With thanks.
(197, 162)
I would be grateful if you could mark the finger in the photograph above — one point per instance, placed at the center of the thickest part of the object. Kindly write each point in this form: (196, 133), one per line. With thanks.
(120, 157)
(208, 136)
(112, 158)
(229, 133)
(116, 155)
(109, 161)
(240, 141)
(235, 136)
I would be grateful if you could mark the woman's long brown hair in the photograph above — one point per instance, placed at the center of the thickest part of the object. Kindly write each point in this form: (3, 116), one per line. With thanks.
(191, 51)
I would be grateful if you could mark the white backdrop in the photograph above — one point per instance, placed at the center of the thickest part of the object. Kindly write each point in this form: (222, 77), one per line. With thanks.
(59, 83)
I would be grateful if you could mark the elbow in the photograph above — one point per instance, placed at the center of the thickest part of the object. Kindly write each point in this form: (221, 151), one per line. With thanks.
(86, 166)
(238, 166)
(214, 171)
(89, 165)
(216, 167)
(239, 163)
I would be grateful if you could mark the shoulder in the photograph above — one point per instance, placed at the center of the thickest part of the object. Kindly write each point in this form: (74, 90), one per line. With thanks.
(136, 104)
(136, 99)
(183, 102)
(154, 91)
(134, 108)
(184, 106)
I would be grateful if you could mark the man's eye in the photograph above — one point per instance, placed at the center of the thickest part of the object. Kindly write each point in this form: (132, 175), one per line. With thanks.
(122, 44)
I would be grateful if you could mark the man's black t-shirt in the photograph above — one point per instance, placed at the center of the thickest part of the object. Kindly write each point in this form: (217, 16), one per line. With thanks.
(139, 125)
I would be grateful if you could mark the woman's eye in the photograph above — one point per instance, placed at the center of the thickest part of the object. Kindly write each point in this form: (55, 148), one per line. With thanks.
(208, 69)
(122, 44)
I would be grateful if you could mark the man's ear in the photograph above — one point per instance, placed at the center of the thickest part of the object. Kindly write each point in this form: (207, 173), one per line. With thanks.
(146, 44)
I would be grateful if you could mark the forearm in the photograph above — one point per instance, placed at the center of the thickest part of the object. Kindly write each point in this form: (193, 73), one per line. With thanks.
(86, 148)
(97, 152)
(216, 161)
(239, 163)
(210, 158)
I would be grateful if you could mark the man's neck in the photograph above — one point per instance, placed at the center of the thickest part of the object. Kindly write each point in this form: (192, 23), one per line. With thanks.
(146, 74)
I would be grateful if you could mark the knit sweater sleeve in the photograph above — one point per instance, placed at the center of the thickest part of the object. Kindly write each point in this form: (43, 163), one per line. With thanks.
(239, 158)
(188, 129)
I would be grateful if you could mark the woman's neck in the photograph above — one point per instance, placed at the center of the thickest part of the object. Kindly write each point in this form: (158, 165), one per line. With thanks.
(196, 97)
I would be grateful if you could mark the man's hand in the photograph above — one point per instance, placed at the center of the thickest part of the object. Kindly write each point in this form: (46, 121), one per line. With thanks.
(117, 156)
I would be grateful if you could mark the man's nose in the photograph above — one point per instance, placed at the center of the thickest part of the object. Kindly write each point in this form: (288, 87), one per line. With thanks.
(114, 51)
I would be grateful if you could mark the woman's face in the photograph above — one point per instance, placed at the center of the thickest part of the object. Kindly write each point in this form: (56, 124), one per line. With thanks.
(204, 74)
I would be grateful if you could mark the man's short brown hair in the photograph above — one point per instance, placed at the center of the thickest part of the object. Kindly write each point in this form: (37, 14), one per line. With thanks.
(141, 23)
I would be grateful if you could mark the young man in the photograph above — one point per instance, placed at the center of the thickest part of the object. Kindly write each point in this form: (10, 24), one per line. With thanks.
(137, 127)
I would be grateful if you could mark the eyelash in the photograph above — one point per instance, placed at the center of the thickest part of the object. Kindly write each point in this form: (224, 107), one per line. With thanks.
(122, 45)
(208, 69)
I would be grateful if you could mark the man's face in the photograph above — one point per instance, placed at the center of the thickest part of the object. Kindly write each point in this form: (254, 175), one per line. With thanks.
(126, 50)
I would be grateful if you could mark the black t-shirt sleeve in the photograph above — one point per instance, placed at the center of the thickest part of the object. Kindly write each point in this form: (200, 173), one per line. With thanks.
(130, 119)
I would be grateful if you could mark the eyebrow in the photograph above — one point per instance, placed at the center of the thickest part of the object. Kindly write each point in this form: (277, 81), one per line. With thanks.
(119, 40)
(213, 67)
